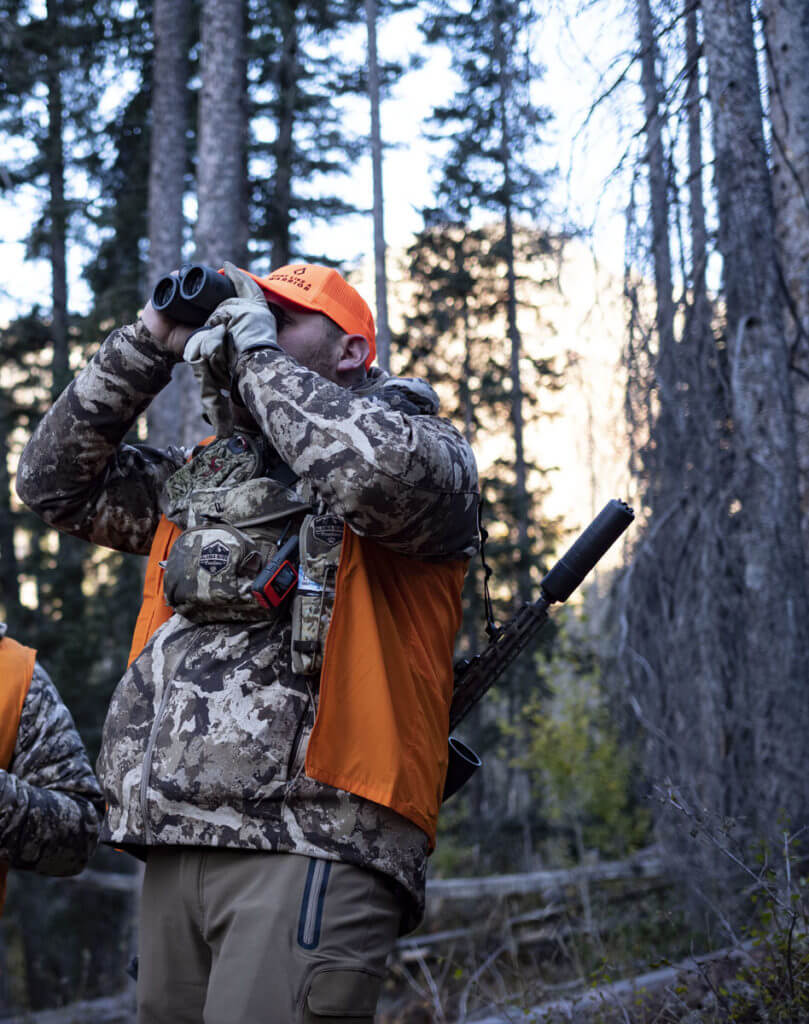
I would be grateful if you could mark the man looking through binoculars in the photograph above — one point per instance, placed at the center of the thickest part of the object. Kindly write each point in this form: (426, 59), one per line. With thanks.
(277, 747)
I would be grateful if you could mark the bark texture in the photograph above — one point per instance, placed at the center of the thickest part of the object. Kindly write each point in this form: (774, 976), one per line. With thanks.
(174, 416)
(766, 494)
(786, 28)
(380, 277)
(221, 233)
(713, 609)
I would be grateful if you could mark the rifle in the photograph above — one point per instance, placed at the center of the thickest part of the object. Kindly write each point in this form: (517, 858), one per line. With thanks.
(473, 677)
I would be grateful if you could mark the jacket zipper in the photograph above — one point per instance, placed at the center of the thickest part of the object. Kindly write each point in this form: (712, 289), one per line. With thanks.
(296, 741)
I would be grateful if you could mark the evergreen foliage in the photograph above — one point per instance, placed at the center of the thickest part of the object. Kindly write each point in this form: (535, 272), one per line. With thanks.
(117, 268)
(475, 275)
(300, 138)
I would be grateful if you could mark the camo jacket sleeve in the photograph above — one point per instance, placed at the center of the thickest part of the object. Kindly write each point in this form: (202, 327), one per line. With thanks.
(407, 481)
(50, 802)
(76, 473)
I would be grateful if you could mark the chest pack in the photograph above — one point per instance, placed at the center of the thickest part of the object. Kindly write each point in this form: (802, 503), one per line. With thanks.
(255, 546)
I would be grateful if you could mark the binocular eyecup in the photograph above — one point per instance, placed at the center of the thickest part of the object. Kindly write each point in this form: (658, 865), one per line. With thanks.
(192, 294)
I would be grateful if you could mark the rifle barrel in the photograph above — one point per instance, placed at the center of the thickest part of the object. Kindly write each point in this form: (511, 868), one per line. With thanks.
(473, 678)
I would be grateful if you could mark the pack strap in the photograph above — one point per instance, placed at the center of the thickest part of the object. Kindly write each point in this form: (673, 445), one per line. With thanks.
(492, 629)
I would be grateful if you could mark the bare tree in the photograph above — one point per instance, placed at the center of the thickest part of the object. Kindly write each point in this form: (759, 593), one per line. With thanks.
(786, 29)
(177, 406)
(713, 609)
(766, 477)
(221, 231)
(661, 249)
(382, 325)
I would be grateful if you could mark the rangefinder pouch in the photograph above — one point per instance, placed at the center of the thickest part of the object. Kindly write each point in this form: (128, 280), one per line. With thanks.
(192, 293)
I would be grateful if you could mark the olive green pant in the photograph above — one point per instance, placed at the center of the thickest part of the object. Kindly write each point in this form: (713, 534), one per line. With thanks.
(233, 937)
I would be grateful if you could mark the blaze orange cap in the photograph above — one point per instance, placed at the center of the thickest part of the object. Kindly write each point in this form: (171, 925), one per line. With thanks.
(323, 290)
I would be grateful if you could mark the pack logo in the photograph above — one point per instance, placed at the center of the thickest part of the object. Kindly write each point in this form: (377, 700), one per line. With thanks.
(214, 557)
(328, 529)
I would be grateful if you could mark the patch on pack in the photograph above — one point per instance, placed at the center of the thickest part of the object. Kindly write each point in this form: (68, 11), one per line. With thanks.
(214, 557)
(327, 529)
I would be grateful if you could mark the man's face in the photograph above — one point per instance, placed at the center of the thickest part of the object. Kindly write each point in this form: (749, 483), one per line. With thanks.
(308, 337)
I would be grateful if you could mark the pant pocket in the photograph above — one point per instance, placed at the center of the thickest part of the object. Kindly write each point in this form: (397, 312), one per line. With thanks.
(345, 994)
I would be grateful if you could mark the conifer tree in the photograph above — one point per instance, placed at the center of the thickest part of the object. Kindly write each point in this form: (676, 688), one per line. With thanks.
(492, 128)
(300, 136)
(49, 93)
(482, 255)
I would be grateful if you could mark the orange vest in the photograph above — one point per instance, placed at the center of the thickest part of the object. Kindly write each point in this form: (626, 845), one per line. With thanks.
(386, 684)
(16, 671)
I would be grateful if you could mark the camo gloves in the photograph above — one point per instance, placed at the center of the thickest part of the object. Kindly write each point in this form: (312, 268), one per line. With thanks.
(237, 326)
(245, 321)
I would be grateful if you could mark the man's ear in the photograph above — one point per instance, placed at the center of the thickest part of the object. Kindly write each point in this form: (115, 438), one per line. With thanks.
(354, 351)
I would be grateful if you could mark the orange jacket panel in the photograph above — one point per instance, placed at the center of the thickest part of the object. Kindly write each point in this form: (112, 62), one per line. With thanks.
(16, 671)
(154, 611)
(386, 684)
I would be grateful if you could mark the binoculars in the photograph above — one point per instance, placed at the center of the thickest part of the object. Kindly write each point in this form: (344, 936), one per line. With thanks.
(192, 293)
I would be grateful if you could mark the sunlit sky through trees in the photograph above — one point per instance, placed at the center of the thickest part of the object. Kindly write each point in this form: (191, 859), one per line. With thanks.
(582, 55)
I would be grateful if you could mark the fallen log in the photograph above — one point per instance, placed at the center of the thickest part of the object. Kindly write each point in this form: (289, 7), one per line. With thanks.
(579, 1008)
(646, 864)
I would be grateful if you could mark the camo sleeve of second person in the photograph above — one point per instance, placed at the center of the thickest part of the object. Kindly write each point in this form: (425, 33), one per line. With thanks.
(76, 474)
(50, 802)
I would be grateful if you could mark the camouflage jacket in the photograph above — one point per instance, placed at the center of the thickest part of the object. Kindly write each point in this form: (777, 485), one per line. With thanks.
(206, 734)
(50, 802)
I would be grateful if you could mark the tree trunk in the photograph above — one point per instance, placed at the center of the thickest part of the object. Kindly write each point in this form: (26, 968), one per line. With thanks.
(220, 235)
(704, 446)
(167, 168)
(287, 86)
(520, 474)
(786, 29)
(57, 210)
(179, 403)
(665, 366)
(9, 570)
(767, 505)
(696, 202)
(68, 578)
(382, 326)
